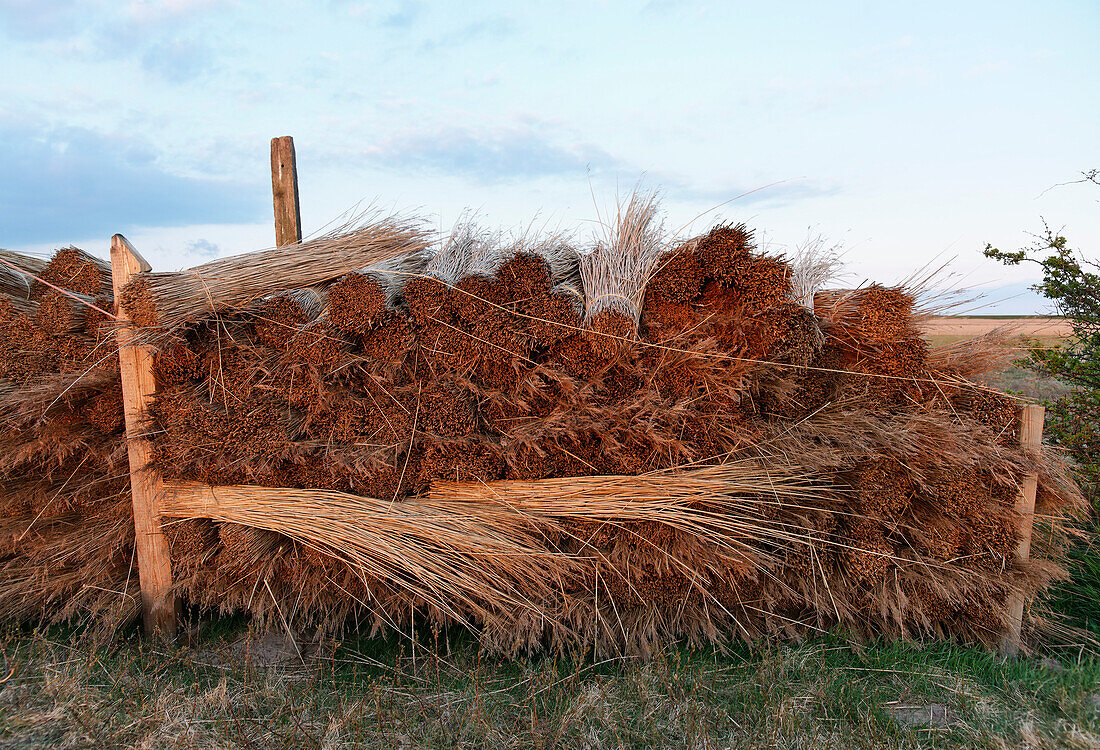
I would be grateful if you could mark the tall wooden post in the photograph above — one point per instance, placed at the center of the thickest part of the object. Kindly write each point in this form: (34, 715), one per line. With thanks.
(158, 605)
(284, 189)
(1031, 438)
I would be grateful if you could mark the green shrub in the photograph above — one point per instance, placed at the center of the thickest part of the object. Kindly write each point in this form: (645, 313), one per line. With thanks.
(1072, 283)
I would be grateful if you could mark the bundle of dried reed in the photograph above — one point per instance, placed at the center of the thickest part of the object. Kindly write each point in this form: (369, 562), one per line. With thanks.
(814, 264)
(167, 300)
(17, 282)
(72, 268)
(617, 268)
(277, 318)
(72, 566)
(429, 295)
(466, 564)
(359, 301)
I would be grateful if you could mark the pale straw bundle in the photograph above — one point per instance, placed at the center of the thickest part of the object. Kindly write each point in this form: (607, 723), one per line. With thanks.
(615, 271)
(483, 561)
(169, 299)
(814, 264)
(16, 282)
(723, 505)
(488, 549)
(469, 248)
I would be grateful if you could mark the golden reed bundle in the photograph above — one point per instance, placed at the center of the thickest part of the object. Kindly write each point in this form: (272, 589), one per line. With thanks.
(464, 561)
(165, 300)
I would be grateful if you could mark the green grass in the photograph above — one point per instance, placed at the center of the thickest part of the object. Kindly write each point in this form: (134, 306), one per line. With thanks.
(66, 690)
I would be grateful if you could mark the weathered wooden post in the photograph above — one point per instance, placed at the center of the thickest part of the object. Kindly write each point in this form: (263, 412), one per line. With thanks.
(1031, 438)
(284, 190)
(158, 605)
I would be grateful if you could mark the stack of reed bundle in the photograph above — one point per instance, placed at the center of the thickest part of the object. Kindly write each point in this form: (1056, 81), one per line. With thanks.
(727, 361)
(608, 447)
(67, 536)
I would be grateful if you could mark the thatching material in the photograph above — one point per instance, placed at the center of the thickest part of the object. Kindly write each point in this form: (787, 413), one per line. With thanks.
(176, 364)
(59, 575)
(453, 561)
(73, 269)
(59, 314)
(169, 299)
(679, 276)
(725, 252)
(704, 458)
(16, 307)
(429, 295)
(812, 267)
(555, 315)
(279, 316)
(318, 343)
(536, 266)
(494, 554)
(616, 270)
(360, 300)
(16, 283)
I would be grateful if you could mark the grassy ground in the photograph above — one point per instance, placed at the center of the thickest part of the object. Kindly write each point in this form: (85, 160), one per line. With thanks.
(67, 691)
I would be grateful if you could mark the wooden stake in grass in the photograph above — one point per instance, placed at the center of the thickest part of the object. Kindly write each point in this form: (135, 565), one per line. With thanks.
(1031, 438)
(158, 604)
(284, 190)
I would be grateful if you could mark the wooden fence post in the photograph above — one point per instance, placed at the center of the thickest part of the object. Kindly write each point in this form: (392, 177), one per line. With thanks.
(1031, 438)
(158, 605)
(284, 189)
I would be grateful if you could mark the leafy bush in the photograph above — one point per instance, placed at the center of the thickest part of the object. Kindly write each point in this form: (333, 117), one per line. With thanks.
(1072, 283)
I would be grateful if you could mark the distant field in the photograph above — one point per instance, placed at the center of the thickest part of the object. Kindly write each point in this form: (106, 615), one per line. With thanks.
(1031, 329)
(951, 328)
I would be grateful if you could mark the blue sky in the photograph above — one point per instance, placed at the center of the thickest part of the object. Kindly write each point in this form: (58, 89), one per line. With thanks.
(907, 132)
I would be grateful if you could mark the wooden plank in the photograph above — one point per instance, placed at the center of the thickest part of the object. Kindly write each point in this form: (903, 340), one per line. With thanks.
(284, 190)
(1031, 438)
(158, 605)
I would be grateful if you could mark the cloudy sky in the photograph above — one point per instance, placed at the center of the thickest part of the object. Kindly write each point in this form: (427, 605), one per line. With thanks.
(908, 134)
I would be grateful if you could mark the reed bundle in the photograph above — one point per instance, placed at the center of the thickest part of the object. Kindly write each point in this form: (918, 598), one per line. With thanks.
(462, 562)
(170, 299)
(814, 265)
(72, 268)
(359, 301)
(616, 270)
(16, 283)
